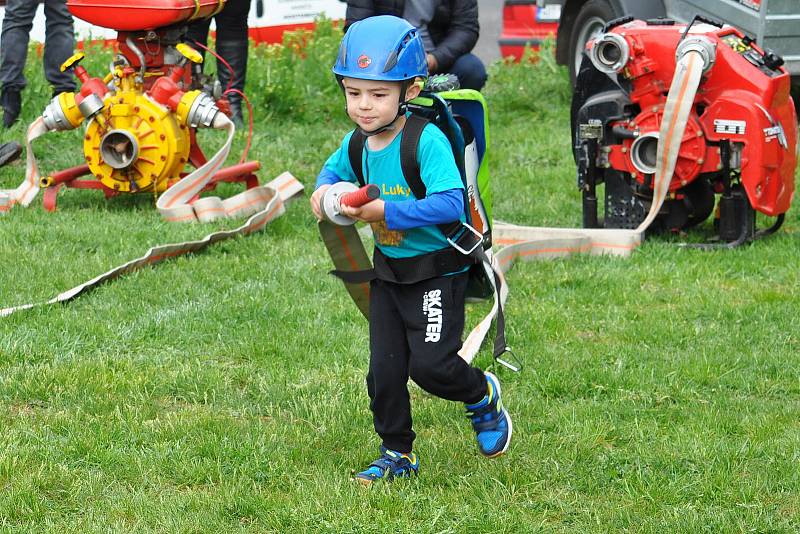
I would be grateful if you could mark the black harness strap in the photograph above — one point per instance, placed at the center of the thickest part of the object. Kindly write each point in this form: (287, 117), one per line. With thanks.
(408, 270)
(412, 132)
(355, 148)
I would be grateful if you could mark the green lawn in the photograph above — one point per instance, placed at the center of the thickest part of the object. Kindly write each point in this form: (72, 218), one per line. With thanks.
(224, 392)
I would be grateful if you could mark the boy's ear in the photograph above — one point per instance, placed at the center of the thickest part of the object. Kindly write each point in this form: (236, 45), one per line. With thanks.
(413, 91)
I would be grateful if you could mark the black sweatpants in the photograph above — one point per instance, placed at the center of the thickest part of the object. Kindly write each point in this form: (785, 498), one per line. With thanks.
(415, 331)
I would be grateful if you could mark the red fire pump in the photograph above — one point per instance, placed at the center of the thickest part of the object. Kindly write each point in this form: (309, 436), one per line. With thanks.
(141, 118)
(739, 141)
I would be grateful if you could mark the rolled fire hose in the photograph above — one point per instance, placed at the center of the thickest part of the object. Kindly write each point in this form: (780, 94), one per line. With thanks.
(265, 203)
(540, 243)
(174, 204)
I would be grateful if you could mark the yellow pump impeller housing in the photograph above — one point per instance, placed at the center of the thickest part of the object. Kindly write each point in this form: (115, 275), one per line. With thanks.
(139, 121)
(135, 144)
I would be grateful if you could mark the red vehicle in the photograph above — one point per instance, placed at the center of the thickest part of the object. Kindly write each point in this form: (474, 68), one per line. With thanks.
(527, 25)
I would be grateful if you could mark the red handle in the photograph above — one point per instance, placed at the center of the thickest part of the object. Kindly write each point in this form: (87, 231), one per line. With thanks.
(356, 199)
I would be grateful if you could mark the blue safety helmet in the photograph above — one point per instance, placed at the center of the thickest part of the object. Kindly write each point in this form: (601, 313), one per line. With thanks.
(384, 48)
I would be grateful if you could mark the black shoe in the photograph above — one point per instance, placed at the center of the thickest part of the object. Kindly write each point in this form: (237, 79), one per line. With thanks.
(9, 152)
(236, 111)
(11, 101)
(235, 53)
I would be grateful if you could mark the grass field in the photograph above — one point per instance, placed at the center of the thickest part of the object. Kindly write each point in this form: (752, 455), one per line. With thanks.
(224, 392)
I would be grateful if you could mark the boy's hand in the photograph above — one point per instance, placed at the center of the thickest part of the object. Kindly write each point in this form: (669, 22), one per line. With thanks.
(368, 213)
(315, 200)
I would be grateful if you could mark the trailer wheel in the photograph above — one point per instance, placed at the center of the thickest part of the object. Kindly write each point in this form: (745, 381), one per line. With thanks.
(591, 19)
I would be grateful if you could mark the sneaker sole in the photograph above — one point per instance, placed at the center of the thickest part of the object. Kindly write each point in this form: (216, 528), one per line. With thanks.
(508, 417)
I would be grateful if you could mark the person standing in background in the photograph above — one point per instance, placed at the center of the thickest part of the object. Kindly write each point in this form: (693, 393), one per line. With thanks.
(449, 31)
(231, 45)
(58, 47)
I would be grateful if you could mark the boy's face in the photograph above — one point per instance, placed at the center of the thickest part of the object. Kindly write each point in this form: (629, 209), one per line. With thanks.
(371, 104)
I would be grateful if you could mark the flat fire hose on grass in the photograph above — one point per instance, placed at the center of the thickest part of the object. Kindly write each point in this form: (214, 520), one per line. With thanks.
(29, 188)
(538, 243)
(263, 204)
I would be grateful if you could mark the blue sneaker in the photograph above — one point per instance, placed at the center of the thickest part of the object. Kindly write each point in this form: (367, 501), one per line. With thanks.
(391, 464)
(490, 420)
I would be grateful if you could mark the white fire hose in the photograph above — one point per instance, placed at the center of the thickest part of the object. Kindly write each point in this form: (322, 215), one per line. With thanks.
(539, 243)
(264, 203)
(29, 188)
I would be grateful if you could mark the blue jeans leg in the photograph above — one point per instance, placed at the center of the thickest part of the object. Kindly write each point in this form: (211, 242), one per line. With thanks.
(17, 26)
(470, 71)
(59, 44)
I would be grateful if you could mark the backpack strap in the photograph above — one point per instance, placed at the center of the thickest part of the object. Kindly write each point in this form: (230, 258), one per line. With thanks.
(412, 132)
(355, 150)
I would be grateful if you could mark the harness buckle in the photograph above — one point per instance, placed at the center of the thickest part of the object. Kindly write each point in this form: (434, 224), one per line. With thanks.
(462, 250)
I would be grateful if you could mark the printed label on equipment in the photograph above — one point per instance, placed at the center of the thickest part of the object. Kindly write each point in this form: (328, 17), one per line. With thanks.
(776, 132)
(592, 130)
(548, 13)
(729, 127)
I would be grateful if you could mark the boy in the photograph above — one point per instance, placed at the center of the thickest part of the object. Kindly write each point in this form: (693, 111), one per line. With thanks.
(415, 325)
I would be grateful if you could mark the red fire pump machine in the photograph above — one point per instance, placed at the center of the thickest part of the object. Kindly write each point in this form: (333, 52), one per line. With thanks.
(739, 143)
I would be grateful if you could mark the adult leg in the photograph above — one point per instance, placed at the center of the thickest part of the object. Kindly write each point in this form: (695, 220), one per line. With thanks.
(232, 46)
(59, 45)
(434, 314)
(17, 26)
(387, 381)
(470, 71)
(14, 40)
(198, 31)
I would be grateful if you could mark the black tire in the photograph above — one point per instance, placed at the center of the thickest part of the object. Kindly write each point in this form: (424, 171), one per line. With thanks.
(590, 20)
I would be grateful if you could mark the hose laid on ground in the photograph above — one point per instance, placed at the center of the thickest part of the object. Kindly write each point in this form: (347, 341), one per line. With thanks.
(174, 204)
(264, 202)
(538, 243)
(29, 188)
